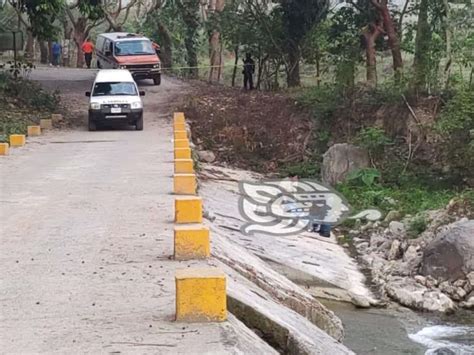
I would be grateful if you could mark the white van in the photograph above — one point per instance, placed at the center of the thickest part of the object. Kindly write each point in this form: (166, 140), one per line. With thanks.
(115, 98)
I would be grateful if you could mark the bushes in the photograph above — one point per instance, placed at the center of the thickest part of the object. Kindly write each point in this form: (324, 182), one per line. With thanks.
(26, 93)
(406, 199)
(417, 225)
(456, 126)
(322, 101)
(22, 102)
(373, 139)
(458, 113)
(307, 169)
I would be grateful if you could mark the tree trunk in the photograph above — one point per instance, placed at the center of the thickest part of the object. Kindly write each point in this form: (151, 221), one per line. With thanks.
(215, 56)
(345, 73)
(236, 63)
(190, 11)
(191, 51)
(166, 54)
(449, 35)
(421, 61)
(318, 70)
(371, 33)
(215, 43)
(393, 40)
(293, 71)
(44, 58)
(30, 46)
(50, 51)
(67, 52)
(79, 36)
(402, 17)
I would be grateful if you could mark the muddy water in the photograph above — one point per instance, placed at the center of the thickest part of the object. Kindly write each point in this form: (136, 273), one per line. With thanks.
(397, 330)
(392, 330)
(374, 331)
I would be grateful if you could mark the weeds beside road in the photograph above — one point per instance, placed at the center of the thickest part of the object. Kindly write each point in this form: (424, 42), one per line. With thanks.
(288, 132)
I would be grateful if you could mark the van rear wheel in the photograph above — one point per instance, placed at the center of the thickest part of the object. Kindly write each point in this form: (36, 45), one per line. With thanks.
(157, 80)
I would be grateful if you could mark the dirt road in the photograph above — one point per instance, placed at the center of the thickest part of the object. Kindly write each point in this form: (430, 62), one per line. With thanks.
(86, 235)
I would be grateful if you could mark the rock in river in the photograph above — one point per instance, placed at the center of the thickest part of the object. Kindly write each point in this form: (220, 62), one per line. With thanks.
(409, 293)
(450, 256)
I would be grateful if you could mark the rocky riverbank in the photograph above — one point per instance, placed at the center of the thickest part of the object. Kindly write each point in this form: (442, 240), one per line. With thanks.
(425, 262)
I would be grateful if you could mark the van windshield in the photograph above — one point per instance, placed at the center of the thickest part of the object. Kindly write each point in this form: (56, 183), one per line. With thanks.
(138, 47)
(109, 89)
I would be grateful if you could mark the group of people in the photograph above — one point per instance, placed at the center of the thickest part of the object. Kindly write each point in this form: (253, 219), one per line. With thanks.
(61, 51)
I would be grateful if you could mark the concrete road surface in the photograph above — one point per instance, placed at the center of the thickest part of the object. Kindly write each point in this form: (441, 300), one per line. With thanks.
(86, 238)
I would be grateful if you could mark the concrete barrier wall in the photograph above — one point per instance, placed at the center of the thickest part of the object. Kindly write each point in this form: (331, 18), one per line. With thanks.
(200, 292)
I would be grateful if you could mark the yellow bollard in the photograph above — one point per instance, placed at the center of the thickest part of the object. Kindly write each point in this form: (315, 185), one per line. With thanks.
(46, 123)
(183, 166)
(182, 153)
(180, 135)
(191, 242)
(34, 131)
(187, 209)
(181, 143)
(17, 140)
(178, 117)
(179, 126)
(4, 148)
(201, 295)
(57, 118)
(184, 184)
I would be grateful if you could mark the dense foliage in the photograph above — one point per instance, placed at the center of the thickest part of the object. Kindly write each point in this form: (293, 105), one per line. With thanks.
(396, 79)
(22, 102)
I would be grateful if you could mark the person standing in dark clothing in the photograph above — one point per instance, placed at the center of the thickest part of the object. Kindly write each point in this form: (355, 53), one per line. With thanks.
(249, 70)
(324, 230)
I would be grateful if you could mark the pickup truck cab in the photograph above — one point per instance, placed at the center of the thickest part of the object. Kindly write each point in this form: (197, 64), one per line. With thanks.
(122, 50)
(115, 98)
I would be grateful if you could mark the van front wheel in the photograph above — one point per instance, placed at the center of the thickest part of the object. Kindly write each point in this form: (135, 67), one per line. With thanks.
(139, 124)
(157, 80)
(92, 125)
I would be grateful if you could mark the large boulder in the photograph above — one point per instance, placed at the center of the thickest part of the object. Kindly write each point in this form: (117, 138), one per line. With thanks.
(340, 160)
(206, 156)
(450, 255)
(410, 293)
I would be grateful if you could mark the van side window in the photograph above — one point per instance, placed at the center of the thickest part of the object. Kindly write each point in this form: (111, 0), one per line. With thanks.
(107, 46)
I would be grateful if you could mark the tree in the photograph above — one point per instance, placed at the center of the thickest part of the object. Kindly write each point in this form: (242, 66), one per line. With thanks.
(84, 15)
(299, 17)
(393, 41)
(351, 27)
(156, 27)
(371, 33)
(422, 47)
(215, 9)
(41, 15)
(39, 19)
(189, 10)
(116, 13)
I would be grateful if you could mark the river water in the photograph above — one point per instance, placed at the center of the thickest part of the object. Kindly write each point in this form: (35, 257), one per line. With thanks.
(397, 330)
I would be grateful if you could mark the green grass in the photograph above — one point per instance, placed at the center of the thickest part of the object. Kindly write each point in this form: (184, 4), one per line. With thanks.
(407, 200)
